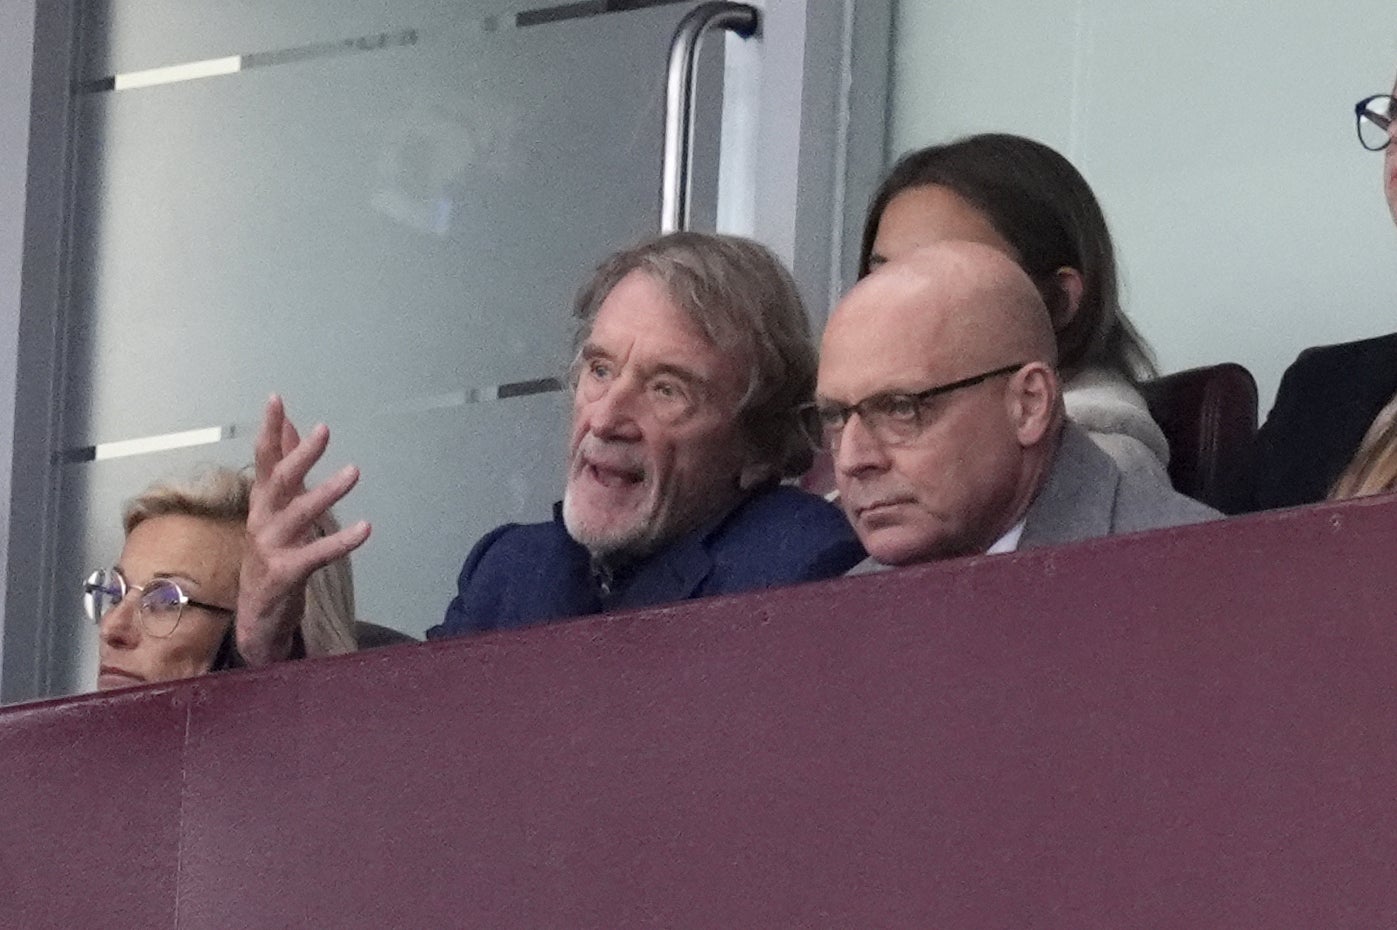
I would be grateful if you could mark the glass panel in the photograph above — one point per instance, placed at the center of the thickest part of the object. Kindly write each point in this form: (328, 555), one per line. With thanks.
(417, 219)
(131, 35)
(384, 238)
(435, 482)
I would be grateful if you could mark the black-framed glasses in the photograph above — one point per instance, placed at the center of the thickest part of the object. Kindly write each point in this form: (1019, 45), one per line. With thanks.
(1375, 115)
(159, 610)
(892, 419)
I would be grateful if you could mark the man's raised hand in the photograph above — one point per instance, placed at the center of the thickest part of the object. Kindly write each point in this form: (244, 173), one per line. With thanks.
(283, 545)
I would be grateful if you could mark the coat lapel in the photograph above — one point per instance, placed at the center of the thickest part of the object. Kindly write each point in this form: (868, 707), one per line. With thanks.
(673, 574)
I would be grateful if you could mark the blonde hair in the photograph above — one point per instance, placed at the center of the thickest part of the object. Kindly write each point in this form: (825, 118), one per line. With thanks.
(212, 494)
(218, 493)
(1374, 466)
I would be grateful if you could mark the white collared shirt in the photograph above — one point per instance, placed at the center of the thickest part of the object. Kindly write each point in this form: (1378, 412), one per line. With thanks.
(1009, 541)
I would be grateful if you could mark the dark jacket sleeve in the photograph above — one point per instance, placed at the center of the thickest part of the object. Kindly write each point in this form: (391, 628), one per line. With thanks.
(786, 537)
(470, 611)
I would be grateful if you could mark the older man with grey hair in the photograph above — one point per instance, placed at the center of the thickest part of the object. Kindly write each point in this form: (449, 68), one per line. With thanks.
(692, 357)
(939, 401)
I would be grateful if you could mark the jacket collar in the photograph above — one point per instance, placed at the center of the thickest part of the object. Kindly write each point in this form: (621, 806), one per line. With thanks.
(673, 572)
(1077, 500)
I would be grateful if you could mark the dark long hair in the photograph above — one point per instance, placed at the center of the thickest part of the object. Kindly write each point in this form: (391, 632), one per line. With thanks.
(1045, 209)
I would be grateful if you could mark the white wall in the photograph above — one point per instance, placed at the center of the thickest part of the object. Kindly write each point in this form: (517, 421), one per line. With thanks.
(1218, 135)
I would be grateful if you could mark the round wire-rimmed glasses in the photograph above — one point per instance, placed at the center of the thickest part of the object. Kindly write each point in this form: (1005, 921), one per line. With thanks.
(159, 609)
(1375, 115)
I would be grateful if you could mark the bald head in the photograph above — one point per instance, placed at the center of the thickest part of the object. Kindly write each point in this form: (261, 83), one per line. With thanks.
(961, 299)
(955, 469)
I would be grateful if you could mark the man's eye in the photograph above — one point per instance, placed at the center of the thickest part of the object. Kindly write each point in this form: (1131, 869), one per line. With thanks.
(668, 390)
(899, 407)
(598, 370)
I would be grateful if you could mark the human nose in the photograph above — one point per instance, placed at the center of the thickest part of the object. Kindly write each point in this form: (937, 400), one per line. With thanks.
(856, 450)
(614, 413)
(119, 626)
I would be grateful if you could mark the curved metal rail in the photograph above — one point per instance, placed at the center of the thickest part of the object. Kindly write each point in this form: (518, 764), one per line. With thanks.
(680, 101)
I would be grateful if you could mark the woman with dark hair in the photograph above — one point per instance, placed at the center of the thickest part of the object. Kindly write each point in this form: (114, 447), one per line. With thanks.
(1028, 201)
(1332, 432)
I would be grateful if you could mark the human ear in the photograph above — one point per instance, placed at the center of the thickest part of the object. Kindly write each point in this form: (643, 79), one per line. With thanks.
(1034, 397)
(1069, 284)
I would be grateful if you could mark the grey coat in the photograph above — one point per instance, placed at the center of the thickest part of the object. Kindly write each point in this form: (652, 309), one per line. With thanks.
(1086, 497)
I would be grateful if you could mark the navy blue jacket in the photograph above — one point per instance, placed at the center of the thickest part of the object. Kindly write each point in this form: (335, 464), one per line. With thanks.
(519, 575)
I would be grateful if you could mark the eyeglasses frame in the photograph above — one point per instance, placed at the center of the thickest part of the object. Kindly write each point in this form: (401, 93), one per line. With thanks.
(91, 587)
(1361, 112)
(812, 422)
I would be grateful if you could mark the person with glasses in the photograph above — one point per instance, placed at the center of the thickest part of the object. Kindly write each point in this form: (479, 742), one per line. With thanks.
(691, 355)
(939, 402)
(165, 609)
(1025, 199)
(1330, 432)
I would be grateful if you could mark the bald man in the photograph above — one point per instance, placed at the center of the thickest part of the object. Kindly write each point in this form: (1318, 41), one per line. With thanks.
(939, 401)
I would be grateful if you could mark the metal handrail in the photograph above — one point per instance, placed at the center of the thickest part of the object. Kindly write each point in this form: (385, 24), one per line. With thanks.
(680, 101)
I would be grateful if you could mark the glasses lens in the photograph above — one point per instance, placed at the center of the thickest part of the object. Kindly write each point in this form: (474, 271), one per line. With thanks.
(160, 607)
(101, 592)
(1374, 123)
(894, 418)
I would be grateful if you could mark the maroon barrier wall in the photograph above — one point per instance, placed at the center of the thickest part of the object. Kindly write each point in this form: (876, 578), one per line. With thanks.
(1194, 728)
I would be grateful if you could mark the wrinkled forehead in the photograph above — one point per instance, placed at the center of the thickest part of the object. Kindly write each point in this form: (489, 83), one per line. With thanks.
(640, 323)
(718, 325)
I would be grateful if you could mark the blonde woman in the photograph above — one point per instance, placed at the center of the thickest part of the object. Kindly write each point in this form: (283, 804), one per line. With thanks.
(165, 609)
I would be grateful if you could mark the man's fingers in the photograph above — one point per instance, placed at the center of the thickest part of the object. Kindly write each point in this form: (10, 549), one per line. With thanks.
(290, 439)
(288, 478)
(337, 545)
(295, 521)
(301, 514)
(267, 450)
(304, 561)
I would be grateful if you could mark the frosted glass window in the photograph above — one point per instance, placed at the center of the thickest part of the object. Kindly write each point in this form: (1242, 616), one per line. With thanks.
(389, 235)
